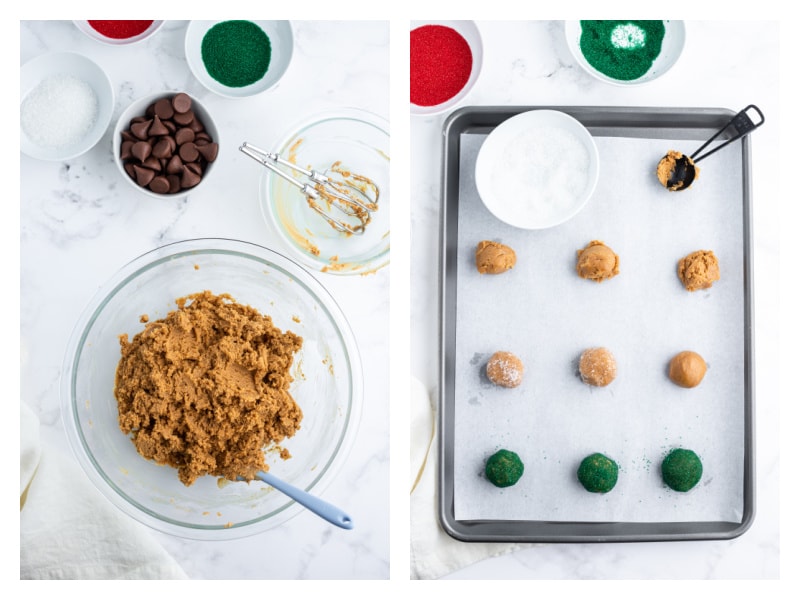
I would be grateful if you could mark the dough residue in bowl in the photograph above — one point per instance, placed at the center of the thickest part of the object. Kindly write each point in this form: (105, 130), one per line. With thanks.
(206, 388)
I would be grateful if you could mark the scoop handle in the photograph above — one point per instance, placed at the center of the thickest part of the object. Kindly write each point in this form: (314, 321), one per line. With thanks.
(743, 124)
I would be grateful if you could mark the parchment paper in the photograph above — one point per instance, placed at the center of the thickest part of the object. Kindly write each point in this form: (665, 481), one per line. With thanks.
(545, 314)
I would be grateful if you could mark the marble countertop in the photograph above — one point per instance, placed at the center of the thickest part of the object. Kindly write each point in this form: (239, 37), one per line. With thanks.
(80, 223)
(529, 64)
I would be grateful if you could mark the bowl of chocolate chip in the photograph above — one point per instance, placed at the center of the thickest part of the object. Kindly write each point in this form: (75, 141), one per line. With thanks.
(166, 144)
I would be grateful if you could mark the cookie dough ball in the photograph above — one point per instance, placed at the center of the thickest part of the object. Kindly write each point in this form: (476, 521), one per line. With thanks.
(597, 262)
(597, 366)
(698, 270)
(494, 257)
(598, 473)
(687, 369)
(504, 468)
(505, 369)
(681, 469)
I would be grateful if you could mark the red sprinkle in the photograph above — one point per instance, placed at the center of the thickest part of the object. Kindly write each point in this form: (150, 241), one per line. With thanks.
(441, 62)
(120, 30)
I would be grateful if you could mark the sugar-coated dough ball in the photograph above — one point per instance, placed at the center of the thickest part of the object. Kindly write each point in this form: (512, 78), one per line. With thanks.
(504, 468)
(687, 369)
(598, 473)
(597, 262)
(681, 469)
(698, 270)
(494, 257)
(505, 369)
(597, 366)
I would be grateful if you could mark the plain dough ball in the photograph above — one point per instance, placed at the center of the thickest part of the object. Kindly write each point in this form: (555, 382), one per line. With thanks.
(494, 257)
(597, 262)
(505, 369)
(698, 270)
(597, 367)
(687, 369)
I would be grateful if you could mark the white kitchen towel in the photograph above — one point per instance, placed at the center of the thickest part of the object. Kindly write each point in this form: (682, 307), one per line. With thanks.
(68, 530)
(434, 553)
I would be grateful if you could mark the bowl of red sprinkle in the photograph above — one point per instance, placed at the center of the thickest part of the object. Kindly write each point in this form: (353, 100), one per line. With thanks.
(446, 59)
(119, 33)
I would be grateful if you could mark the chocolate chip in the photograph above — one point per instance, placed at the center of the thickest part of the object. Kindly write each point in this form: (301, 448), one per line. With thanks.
(162, 148)
(159, 185)
(183, 135)
(181, 102)
(209, 151)
(141, 150)
(188, 152)
(125, 149)
(151, 162)
(175, 165)
(143, 176)
(157, 128)
(189, 178)
(141, 129)
(163, 108)
(174, 183)
(184, 118)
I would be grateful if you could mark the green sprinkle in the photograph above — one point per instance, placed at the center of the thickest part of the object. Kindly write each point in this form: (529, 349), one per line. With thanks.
(623, 50)
(236, 53)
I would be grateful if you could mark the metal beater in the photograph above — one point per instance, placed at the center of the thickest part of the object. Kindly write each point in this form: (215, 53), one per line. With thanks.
(354, 196)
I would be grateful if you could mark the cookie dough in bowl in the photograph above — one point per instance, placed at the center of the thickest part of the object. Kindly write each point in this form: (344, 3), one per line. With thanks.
(326, 385)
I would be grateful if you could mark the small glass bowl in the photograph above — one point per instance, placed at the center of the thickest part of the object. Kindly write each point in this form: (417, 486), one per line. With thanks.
(361, 141)
(327, 385)
(91, 32)
(671, 49)
(281, 38)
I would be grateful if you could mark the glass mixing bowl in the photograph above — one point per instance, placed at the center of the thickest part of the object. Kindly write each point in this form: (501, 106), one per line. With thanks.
(327, 386)
(360, 140)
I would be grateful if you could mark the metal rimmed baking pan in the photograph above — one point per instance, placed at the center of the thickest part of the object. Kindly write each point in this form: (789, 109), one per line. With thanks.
(478, 316)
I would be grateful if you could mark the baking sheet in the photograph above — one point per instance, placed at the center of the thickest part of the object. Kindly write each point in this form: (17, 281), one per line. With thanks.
(543, 312)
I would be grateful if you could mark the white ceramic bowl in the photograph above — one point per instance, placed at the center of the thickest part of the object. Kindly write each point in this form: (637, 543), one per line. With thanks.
(91, 32)
(41, 68)
(327, 386)
(137, 108)
(469, 31)
(361, 141)
(281, 40)
(537, 169)
(671, 49)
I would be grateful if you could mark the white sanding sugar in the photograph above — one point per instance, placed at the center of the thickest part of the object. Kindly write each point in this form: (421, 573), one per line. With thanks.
(543, 173)
(59, 112)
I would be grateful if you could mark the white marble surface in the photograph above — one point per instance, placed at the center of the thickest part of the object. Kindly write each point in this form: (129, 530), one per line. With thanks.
(528, 63)
(80, 222)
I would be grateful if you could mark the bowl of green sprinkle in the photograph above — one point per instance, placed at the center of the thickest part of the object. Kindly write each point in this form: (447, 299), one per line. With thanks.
(239, 58)
(625, 52)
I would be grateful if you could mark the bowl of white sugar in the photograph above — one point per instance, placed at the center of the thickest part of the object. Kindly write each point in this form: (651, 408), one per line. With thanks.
(537, 169)
(66, 101)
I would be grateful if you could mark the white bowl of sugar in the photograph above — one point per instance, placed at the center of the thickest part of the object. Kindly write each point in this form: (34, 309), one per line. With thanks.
(66, 102)
(537, 169)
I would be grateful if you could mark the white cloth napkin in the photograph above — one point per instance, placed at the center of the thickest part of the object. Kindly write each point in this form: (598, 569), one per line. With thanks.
(68, 530)
(433, 552)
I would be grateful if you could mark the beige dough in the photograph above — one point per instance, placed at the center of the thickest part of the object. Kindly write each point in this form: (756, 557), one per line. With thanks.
(505, 369)
(687, 369)
(597, 262)
(206, 389)
(698, 270)
(494, 257)
(597, 367)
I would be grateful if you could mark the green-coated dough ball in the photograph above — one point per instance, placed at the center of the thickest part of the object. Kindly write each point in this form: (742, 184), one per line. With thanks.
(504, 468)
(681, 469)
(598, 473)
